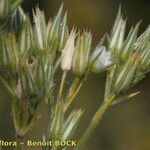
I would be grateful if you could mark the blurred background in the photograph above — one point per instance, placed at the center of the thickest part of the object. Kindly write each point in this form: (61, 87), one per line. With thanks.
(126, 126)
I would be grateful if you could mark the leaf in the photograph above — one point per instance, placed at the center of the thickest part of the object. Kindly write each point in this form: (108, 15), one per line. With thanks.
(70, 125)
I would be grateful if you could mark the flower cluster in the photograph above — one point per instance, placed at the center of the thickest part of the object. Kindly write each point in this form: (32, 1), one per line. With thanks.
(77, 56)
(32, 52)
(130, 56)
(30, 56)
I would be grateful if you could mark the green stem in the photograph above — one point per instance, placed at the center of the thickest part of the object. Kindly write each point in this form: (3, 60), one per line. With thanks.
(108, 85)
(72, 98)
(97, 118)
(73, 91)
(62, 85)
(19, 141)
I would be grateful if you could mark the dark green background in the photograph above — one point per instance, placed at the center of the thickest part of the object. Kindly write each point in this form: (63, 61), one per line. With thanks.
(126, 126)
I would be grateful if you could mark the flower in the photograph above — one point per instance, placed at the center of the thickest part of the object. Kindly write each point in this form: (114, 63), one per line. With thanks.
(81, 56)
(68, 51)
(100, 59)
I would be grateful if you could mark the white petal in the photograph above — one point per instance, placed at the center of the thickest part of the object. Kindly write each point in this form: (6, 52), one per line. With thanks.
(68, 51)
(97, 51)
(103, 60)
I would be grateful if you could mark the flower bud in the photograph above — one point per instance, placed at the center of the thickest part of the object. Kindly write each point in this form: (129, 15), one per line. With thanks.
(129, 43)
(100, 59)
(117, 36)
(68, 51)
(18, 19)
(126, 74)
(81, 55)
(40, 29)
(64, 33)
(26, 37)
(55, 30)
(143, 47)
(4, 8)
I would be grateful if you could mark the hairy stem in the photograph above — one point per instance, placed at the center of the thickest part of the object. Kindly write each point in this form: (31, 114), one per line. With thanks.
(94, 122)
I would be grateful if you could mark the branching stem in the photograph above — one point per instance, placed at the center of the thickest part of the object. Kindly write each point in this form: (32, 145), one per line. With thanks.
(94, 122)
(71, 99)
